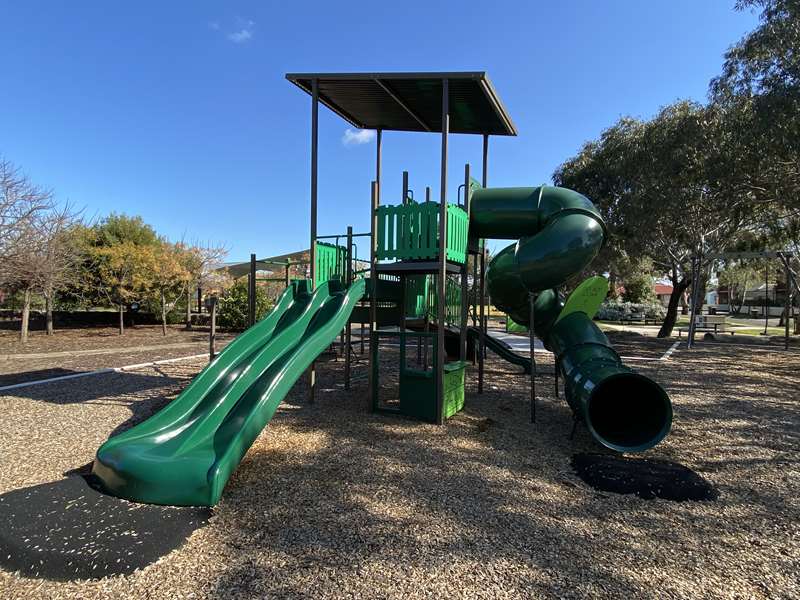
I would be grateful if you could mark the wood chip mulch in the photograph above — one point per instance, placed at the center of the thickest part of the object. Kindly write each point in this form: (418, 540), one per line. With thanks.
(335, 502)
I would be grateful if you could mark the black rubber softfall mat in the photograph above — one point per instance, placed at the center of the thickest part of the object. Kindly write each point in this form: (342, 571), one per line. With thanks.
(66, 530)
(647, 478)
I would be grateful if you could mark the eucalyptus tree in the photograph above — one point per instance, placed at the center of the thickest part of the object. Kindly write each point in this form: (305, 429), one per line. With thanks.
(663, 188)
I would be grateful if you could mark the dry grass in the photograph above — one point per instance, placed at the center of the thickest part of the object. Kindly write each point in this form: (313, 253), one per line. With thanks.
(332, 501)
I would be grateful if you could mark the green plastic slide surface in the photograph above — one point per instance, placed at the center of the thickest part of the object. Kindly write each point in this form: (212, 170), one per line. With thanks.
(502, 350)
(184, 454)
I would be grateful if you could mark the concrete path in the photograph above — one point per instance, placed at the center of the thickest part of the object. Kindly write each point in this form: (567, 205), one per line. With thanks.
(101, 351)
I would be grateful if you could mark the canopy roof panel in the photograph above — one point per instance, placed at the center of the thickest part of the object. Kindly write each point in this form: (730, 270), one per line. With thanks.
(411, 101)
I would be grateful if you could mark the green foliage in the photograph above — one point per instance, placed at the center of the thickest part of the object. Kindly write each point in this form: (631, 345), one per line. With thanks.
(233, 306)
(665, 188)
(117, 229)
(638, 280)
(615, 310)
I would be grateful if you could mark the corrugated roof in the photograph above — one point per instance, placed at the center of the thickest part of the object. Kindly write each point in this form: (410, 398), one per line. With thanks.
(411, 101)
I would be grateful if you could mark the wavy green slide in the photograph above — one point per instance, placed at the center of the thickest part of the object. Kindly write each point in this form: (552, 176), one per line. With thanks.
(184, 454)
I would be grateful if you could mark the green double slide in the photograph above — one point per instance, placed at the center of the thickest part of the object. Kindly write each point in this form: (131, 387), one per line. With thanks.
(184, 454)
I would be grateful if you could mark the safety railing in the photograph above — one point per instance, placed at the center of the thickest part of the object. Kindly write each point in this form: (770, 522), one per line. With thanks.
(411, 232)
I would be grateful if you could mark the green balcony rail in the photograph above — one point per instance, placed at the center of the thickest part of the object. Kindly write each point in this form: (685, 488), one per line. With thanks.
(421, 298)
(331, 262)
(411, 232)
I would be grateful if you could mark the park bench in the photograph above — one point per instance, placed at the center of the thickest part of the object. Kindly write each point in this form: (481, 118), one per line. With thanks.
(633, 317)
(710, 323)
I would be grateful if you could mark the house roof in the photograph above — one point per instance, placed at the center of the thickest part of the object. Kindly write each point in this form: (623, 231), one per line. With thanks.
(662, 289)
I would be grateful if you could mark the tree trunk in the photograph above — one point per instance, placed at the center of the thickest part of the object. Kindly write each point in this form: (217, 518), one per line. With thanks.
(672, 308)
(121, 318)
(48, 309)
(188, 307)
(26, 315)
(163, 314)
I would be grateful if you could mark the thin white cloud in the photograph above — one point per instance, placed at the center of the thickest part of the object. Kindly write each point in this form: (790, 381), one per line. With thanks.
(239, 32)
(241, 36)
(355, 137)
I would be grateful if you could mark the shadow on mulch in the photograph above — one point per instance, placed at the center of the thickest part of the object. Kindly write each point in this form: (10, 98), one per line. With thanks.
(65, 530)
(644, 477)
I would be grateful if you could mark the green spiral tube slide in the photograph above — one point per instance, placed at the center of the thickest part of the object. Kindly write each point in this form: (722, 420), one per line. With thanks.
(559, 233)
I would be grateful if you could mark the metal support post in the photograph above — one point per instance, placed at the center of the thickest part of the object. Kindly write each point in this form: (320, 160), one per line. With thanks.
(532, 342)
(442, 278)
(462, 326)
(766, 298)
(482, 287)
(788, 314)
(312, 374)
(212, 333)
(348, 331)
(251, 292)
(373, 280)
(556, 377)
(695, 299)
(405, 187)
(482, 325)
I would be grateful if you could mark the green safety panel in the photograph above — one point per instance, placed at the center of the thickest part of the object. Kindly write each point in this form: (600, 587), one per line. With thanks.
(411, 232)
(331, 262)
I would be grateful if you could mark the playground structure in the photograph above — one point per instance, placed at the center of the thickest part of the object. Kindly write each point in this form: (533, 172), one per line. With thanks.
(414, 293)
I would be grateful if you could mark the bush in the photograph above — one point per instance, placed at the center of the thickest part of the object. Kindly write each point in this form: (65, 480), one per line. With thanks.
(232, 311)
(615, 310)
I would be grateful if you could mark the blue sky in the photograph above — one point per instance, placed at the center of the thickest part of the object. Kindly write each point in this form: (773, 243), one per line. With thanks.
(179, 112)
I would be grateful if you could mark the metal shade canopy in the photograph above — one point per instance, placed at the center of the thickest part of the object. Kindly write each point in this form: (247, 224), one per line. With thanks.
(411, 101)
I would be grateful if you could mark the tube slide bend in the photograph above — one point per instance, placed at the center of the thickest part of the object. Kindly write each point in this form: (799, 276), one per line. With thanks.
(560, 232)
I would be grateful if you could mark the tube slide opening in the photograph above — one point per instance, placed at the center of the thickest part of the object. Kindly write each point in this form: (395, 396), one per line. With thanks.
(629, 413)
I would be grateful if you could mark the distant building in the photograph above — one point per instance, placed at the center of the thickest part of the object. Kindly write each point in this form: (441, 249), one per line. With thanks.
(663, 291)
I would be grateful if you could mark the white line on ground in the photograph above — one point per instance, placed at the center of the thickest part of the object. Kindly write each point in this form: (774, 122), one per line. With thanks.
(100, 372)
(669, 352)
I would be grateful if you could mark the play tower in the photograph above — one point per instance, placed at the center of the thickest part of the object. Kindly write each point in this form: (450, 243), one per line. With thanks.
(411, 272)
